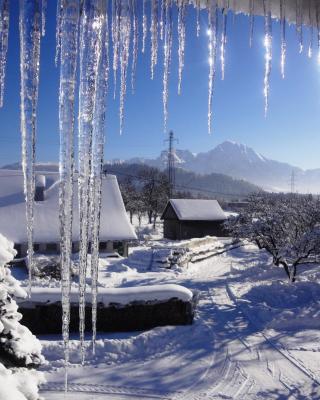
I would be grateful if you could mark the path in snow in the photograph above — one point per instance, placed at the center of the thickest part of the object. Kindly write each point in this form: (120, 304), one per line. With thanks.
(222, 355)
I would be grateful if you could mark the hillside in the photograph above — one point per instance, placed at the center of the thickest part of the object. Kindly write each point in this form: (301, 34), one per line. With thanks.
(210, 185)
(241, 162)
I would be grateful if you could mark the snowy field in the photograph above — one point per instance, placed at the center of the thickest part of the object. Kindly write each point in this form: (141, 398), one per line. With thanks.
(255, 336)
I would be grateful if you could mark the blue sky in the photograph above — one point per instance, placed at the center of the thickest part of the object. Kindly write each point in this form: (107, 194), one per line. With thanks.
(290, 133)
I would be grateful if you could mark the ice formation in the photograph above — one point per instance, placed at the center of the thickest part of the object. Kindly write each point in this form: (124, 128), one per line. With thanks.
(68, 50)
(127, 18)
(30, 32)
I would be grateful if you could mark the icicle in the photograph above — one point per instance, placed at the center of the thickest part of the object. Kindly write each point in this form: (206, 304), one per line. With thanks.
(29, 22)
(91, 29)
(43, 16)
(198, 17)
(223, 40)
(283, 36)
(154, 35)
(268, 52)
(96, 173)
(167, 58)
(162, 17)
(144, 26)
(4, 31)
(310, 48)
(318, 29)
(299, 17)
(115, 30)
(58, 30)
(251, 16)
(135, 40)
(181, 38)
(68, 64)
(125, 33)
(212, 36)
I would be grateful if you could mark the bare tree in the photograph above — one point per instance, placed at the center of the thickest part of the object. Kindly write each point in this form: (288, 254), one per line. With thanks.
(155, 192)
(285, 225)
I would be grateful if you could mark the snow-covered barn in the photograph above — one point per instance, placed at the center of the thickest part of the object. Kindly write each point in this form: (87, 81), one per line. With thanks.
(115, 226)
(193, 218)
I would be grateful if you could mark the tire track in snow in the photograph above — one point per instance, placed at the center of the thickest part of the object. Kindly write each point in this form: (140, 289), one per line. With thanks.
(139, 393)
(284, 353)
(297, 365)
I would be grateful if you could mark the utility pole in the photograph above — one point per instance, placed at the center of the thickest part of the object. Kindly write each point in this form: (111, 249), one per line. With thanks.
(171, 162)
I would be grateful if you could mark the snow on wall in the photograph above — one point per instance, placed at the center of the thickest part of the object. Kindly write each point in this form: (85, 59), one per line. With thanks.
(115, 224)
(198, 210)
(107, 296)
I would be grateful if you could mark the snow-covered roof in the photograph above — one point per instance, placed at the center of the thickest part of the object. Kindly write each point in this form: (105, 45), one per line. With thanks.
(197, 209)
(115, 224)
(308, 8)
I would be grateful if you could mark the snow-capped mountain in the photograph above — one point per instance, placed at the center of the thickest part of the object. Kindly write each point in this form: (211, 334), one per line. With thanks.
(242, 162)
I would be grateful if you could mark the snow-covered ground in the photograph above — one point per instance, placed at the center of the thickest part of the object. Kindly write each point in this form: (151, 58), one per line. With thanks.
(255, 336)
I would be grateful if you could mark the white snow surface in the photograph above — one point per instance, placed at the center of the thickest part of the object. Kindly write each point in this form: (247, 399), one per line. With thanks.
(107, 296)
(255, 336)
(16, 383)
(115, 224)
(197, 209)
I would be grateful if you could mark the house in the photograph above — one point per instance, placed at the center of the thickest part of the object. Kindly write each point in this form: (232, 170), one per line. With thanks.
(193, 218)
(115, 227)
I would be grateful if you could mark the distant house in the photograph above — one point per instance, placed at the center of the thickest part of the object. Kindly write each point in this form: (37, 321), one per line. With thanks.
(192, 218)
(115, 227)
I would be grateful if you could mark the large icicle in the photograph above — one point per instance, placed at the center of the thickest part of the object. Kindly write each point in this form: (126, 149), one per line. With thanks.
(125, 34)
(58, 30)
(310, 48)
(68, 63)
(212, 46)
(223, 39)
(43, 16)
(251, 18)
(135, 41)
(29, 24)
(299, 18)
(115, 31)
(318, 29)
(4, 31)
(96, 172)
(181, 38)
(154, 35)
(283, 36)
(91, 29)
(198, 5)
(268, 52)
(144, 26)
(167, 48)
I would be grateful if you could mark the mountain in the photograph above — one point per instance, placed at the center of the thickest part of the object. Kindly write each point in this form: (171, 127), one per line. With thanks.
(241, 162)
(40, 167)
(207, 186)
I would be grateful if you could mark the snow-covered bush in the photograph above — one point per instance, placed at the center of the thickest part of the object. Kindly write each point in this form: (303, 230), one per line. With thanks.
(286, 225)
(18, 346)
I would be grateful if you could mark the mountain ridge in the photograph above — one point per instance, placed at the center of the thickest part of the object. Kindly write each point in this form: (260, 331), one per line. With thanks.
(240, 162)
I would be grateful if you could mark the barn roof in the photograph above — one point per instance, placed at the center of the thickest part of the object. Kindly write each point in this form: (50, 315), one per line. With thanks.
(114, 225)
(196, 210)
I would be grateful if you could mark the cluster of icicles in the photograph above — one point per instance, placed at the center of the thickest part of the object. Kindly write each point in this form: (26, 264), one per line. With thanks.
(84, 30)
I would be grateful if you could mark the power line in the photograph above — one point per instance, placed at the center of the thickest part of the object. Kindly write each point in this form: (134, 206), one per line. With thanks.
(180, 186)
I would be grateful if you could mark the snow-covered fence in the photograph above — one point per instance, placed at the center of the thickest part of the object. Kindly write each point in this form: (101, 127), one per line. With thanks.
(119, 309)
